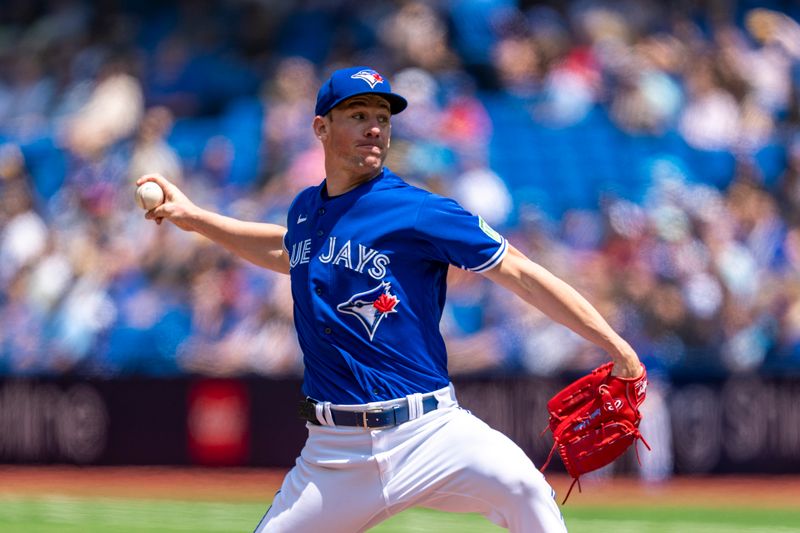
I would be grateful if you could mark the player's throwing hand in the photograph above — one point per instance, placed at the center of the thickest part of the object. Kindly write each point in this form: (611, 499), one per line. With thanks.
(176, 206)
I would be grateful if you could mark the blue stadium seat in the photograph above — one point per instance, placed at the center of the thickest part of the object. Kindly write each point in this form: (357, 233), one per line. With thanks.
(771, 161)
(189, 136)
(713, 167)
(241, 124)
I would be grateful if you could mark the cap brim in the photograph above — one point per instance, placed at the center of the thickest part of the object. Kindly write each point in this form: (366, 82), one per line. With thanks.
(396, 102)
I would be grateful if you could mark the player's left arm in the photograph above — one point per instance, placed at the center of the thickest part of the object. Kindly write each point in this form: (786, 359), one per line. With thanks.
(562, 303)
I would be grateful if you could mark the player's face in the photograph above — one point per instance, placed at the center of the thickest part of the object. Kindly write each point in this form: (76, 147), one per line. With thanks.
(359, 133)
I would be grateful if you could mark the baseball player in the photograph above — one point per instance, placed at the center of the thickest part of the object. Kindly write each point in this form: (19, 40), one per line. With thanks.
(368, 256)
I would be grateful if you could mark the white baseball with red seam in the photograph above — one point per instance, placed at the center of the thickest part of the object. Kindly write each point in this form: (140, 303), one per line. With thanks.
(149, 195)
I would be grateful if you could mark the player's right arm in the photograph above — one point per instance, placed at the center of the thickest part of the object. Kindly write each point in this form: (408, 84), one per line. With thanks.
(562, 303)
(257, 242)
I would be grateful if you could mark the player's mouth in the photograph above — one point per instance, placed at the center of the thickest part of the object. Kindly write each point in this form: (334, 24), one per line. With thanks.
(374, 148)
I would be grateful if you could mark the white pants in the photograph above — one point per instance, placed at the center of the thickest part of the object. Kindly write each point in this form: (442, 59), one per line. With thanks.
(348, 479)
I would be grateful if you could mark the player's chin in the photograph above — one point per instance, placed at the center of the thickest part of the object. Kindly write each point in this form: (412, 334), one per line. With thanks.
(372, 162)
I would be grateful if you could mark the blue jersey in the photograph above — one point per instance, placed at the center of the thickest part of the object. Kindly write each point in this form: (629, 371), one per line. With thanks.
(368, 276)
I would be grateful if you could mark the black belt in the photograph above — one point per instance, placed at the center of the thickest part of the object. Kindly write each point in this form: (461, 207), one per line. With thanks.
(374, 418)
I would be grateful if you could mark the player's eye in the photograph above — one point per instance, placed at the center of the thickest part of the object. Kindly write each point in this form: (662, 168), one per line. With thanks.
(358, 116)
(383, 119)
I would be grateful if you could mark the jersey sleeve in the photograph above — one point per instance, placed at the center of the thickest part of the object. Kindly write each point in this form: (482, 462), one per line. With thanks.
(287, 235)
(291, 215)
(457, 236)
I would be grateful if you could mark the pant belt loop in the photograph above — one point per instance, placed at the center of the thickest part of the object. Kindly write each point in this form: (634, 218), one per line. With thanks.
(323, 412)
(326, 411)
(415, 409)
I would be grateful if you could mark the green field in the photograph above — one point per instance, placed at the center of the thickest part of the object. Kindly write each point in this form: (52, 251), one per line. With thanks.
(118, 515)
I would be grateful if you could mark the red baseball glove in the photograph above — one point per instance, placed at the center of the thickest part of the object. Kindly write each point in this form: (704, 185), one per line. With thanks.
(595, 419)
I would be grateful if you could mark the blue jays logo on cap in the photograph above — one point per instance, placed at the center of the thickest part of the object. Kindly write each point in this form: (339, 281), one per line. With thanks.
(369, 76)
(371, 306)
(349, 82)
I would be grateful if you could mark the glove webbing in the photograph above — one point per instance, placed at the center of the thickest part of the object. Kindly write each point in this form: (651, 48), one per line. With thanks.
(580, 392)
(637, 436)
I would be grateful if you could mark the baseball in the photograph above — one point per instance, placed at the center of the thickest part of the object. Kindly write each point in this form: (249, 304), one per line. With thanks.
(149, 195)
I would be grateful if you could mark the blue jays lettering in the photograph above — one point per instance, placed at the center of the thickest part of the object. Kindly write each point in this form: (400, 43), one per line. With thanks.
(345, 254)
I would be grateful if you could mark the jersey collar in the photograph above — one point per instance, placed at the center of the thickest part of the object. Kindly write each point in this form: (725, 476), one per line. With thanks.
(353, 193)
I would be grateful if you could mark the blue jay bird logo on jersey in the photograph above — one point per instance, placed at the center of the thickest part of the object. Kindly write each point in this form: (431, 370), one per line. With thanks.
(369, 76)
(371, 306)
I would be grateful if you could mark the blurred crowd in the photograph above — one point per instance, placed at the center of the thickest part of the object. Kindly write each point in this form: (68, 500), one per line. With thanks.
(646, 152)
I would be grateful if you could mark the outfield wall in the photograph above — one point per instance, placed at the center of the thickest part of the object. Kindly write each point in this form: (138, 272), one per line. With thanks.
(739, 425)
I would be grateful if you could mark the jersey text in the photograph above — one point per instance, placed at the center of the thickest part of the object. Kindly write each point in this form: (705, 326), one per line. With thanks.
(347, 256)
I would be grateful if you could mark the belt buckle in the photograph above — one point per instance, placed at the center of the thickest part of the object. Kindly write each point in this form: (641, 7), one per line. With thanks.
(364, 416)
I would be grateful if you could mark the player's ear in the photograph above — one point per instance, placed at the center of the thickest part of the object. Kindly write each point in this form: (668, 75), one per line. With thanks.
(320, 126)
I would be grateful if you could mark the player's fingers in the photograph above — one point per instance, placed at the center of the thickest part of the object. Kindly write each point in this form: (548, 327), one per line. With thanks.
(158, 178)
(153, 176)
(159, 213)
(171, 191)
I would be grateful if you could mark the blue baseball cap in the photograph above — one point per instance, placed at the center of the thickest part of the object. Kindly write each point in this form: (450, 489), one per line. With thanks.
(348, 82)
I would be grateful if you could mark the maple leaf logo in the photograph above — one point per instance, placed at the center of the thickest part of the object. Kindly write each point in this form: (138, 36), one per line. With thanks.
(385, 303)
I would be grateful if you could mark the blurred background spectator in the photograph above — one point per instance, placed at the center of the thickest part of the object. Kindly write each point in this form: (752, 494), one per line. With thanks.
(648, 153)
